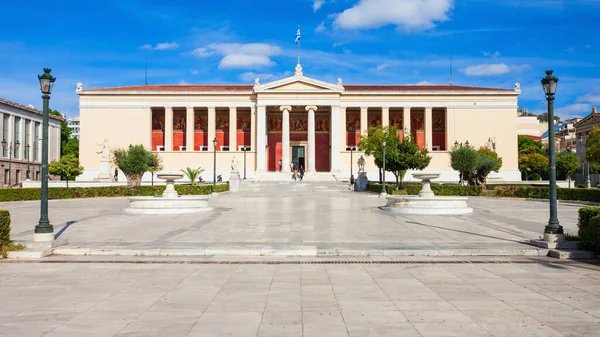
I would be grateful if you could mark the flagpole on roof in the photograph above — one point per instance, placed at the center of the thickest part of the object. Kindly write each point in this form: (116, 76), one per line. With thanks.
(298, 37)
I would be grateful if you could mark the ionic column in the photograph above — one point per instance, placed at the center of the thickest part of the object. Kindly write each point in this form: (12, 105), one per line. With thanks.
(261, 141)
(385, 116)
(233, 129)
(342, 126)
(252, 129)
(310, 166)
(364, 123)
(336, 139)
(212, 125)
(189, 129)
(428, 129)
(406, 120)
(285, 138)
(168, 129)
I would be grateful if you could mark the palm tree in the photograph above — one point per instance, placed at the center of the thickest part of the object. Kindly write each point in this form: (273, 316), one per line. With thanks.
(192, 174)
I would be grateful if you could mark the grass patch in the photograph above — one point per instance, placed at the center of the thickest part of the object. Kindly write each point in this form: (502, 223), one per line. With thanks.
(11, 247)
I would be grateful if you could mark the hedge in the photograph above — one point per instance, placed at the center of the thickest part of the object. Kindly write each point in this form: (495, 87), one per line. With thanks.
(589, 228)
(20, 194)
(4, 228)
(544, 193)
(442, 190)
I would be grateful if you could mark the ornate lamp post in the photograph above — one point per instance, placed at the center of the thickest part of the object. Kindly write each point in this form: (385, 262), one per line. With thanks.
(351, 148)
(215, 166)
(383, 190)
(44, 230)
(27, 154)
(11, 147)
(553, 228)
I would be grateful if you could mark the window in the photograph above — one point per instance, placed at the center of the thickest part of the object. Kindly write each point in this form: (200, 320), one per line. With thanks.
(241, 148)
(26, 145)
(16, 138)
(36, 136)
(182, 148)
(18, 176)
(6, 175)
(204, 148)
(37, 175)
(160, 148)
(5, 121)
(224, 148)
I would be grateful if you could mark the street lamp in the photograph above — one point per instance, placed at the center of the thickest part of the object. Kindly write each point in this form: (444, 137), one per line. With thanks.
(27, 154)
(44, 230)
(11, 147)
(553, 228)
(383, 191)
(351, 149)
(245, 149)
(586, 168)
(215, 166)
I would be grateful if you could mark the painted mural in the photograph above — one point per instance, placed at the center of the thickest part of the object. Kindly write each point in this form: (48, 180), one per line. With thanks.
(439, 123)
(352, 122)
(158, 122)
(274, 123)
(374, 121)
(201, 123)
(322, 123)
(179, 122)
(299, 123)
(222, 123)
(243, 123)
(416, 123)
(397, 122)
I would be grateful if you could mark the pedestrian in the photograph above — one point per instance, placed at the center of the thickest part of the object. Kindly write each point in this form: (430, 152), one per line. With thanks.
(352, 182)
(291, 166)
(116, 175)
(301, 171)
(295, 176)
(280, 165)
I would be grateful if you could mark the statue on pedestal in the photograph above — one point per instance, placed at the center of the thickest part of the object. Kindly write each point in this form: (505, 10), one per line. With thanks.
(105, 167)
(362, 180)
(105, 150)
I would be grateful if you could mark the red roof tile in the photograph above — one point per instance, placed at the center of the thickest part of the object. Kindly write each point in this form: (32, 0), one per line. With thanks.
(415, 87)
(179, 87)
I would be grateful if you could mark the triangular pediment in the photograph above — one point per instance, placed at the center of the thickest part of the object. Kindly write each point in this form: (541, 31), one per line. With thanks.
(298, 84)
(591, 119)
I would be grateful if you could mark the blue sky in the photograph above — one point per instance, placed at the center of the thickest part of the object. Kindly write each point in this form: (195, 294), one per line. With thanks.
(492, 42)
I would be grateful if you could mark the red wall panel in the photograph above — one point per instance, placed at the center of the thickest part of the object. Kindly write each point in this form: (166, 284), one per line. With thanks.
(243, 138)
(274, 151)
(178, 139)
(439, 139)
(420, 137)
(322, 152)
(157, 139)
(222, 139)
(200, 139)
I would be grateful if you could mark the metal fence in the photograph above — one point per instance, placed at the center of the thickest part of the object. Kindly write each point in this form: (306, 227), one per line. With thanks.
(581, 179)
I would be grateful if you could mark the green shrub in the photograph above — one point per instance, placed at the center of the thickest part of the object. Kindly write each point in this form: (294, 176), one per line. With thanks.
(589, 228)
(20, 194)
(534, 176)
(447, 190)
(575, 194)
(4, 228)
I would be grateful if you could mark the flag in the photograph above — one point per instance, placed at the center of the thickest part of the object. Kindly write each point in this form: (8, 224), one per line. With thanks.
(298, 36)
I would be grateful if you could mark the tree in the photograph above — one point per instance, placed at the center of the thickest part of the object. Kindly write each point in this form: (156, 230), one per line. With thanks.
(532, 163)
(67, 168)
(134, 162)
(463, 158)
(400, 156)
(528, 145)
(544, 118)
(592, 146)
(192, 174)
(568, 163)
(487, 162)
(71, 147)
(154, 164)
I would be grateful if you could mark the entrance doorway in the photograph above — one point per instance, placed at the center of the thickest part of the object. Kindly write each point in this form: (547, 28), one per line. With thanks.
(298, 155)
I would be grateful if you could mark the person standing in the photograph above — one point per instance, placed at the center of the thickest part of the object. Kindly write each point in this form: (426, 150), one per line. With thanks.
(352, 181)
(280, 165)
(292, 166)
(116, 175)
(301, 171)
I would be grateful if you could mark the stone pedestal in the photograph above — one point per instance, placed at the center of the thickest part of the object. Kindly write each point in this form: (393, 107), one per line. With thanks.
(234, 182)
(104, 171)
(361, 182)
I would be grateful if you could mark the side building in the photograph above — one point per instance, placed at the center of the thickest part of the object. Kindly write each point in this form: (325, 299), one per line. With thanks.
(297, 120)
(21, 151)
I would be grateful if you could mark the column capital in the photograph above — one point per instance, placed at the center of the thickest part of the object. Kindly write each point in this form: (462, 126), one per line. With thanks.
(233, 108)
(189, 108)
(285, 107)
(311, 107)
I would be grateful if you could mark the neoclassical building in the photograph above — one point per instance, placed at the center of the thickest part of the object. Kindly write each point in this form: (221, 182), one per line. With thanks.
(296, 119)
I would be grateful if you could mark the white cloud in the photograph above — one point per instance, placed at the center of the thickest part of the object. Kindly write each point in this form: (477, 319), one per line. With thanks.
(321, 27)
(240, 55)
(382, 66)
(407, 14)
(424, 83)
(589, 98)
(161, 46)
(492, 69)
(416, 72)
(317, 4)
(194, 72)
(245, 61)
(490, 54)
(570, 49)
(577, 109)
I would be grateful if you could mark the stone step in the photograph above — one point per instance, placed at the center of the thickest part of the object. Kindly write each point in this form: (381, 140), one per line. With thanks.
(572, 254)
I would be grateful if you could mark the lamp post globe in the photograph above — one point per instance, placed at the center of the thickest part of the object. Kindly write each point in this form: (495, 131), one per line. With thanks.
(383, 189)
(215, 165)
(549, 83)
(44, 231)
